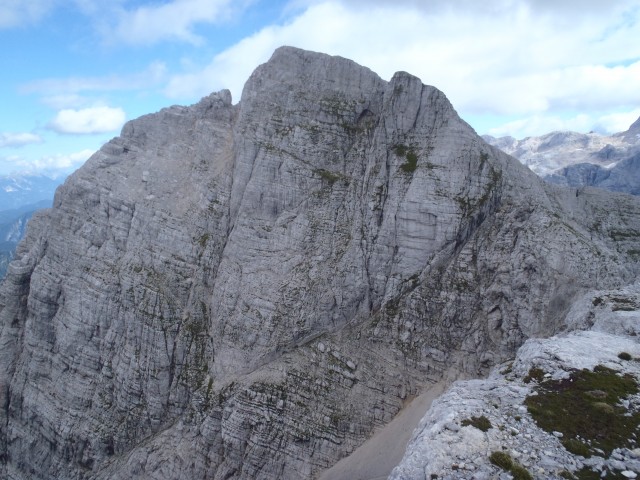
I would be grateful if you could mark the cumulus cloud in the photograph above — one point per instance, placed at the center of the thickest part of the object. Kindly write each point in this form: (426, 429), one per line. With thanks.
(503, 57)
(88, 120)
(18, 139)
(17, 13)
(52, 165)
(174, 20)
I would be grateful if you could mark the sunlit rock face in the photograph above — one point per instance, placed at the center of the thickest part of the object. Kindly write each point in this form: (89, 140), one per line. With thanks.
(248, 291)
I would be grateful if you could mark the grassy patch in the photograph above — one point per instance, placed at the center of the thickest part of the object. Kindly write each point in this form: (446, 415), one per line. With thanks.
(328, 176)
(587, 474)
(400, 150)
(575, 446)
(202, 241)
(411, 164)
(407, 152)
(535, 373)
(481, 423)
(618, 235)
(586, 405)
(504, 461)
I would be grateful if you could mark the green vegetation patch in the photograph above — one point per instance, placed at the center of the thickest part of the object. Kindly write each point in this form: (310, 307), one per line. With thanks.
(412, 158)
(619, 235)
(481, 423)
(586, 408)
(575, 446)
(587, 474)
(535, 373)
(504, 461)
(328, 176)
(202, 241)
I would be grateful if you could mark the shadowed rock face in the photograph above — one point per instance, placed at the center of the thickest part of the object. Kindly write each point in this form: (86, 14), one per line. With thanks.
(624, 176)
(248, 291)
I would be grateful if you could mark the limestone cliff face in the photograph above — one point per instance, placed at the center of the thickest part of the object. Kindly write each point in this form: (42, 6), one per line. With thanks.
(248, 291)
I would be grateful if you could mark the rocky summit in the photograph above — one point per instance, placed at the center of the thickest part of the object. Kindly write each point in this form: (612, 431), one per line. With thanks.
(251, 291)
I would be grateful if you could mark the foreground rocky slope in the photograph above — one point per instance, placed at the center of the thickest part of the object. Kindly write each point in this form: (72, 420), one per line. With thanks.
(249, 291)
(452, 443)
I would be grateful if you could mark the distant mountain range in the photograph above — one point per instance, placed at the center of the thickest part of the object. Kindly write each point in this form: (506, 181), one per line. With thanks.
(13, 224)
(19, 190)
(20, 197)
(575, 159)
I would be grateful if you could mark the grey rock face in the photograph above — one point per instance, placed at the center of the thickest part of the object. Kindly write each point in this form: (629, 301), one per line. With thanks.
(248, 291)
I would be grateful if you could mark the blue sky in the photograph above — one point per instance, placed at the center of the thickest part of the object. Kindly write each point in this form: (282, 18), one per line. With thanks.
(73, 71)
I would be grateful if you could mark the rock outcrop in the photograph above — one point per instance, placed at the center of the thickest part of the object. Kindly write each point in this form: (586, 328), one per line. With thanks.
(449, 444)
(248, 291)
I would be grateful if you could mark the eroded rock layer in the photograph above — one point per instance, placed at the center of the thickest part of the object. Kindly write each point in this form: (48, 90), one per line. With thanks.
(248, 291)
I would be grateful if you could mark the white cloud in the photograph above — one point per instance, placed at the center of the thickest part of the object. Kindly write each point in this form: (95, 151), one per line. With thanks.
(18, 139)
(65, 100)
(17, 13)
(88, 120)
(153, 75)
(502, 57)
(174, 20)
(540, 124)
(52, 165)
(617, 122)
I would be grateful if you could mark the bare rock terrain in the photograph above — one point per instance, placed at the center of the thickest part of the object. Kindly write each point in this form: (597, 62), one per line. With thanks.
(449, 445)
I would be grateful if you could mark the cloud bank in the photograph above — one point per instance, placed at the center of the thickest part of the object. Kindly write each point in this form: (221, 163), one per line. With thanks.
(504, 57)
(88, 120)
(174, 20)
(20, 139)
(17, 13)
(51, 165)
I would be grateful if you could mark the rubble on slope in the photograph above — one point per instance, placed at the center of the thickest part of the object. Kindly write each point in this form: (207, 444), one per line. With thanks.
(461, 433)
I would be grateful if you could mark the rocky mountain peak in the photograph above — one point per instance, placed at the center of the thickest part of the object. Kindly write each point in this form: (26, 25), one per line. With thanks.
(251, 290)
(290, 66)
(633, 133)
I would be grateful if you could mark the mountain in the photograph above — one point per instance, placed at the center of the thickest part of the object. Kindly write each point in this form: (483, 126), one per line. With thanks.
(13, 225)
(20, 190)
(624, 176)
(252, 291)
(576, 160)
